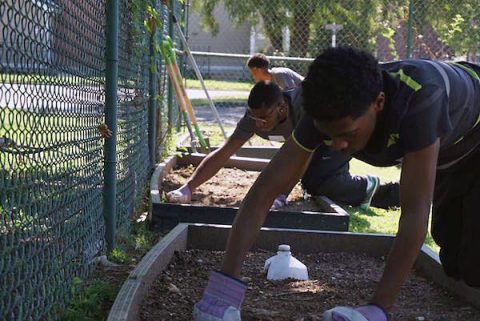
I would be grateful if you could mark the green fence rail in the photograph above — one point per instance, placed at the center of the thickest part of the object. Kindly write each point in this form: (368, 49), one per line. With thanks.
(65, 68)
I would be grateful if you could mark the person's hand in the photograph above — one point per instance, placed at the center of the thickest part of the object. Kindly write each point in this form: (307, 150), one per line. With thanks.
(221, 299)
(369, 312)
(180, 195)
(279, 202)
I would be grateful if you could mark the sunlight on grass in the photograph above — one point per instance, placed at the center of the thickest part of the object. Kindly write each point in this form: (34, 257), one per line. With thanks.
(220, 101)
(219, 85)
(216, 138)
(377, 220)
(386, 174)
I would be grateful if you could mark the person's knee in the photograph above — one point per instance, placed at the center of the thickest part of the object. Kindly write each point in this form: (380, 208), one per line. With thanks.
(472, 279)
(462, 264)
(469, 263)
(449, 260)
(313, 187)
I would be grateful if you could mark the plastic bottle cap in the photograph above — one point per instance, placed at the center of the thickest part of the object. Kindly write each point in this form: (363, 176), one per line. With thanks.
(284, 248)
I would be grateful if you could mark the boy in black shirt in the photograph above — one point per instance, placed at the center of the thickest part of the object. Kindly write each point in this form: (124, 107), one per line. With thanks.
(422, 114)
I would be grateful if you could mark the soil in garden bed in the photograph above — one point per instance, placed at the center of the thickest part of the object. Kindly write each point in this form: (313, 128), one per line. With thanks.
(335, 279)
(229, 187)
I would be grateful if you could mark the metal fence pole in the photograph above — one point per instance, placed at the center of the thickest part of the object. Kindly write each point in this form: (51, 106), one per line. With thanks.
(183, 69)
(410, 29)
(152, 94)
(111, 106)
(174, 116)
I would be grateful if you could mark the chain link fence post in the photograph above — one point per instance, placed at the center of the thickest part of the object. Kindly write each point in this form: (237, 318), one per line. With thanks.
(410, 29)
(111, 103)
(152, 87)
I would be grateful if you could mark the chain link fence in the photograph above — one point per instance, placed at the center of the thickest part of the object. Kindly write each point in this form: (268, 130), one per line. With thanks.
(223, 33)
(52, 100)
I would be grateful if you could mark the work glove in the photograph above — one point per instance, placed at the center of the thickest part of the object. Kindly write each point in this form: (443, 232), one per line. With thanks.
(279, 202)
(369, 312)
(221, 299)
(180, 195)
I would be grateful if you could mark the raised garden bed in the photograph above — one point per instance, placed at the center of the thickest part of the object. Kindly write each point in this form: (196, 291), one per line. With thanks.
(343, 267)
(217, 201)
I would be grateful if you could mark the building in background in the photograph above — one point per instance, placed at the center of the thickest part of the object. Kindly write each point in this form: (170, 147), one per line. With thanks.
(231, 39)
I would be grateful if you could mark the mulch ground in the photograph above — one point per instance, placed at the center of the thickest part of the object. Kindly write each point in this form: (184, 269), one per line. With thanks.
(335, 279)
(229, 187)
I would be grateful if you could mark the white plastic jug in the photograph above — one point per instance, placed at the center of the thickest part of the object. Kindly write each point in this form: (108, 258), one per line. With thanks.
(284, 265)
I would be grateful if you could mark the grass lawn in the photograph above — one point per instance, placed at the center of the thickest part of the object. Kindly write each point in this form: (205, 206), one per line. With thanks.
(377, 220)
(219, 85)
(220, 101)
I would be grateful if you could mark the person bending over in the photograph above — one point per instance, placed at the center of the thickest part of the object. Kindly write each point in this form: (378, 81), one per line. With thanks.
(285, 78)
(420, 113)
(273, 115)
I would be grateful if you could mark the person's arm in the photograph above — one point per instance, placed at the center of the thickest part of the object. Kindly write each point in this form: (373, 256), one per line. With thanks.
(285, 168)
(209, 166)
(288, 188)
(416, 193)
(213, 162)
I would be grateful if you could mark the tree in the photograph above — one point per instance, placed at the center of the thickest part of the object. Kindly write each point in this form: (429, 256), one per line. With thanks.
(457, 24)
(275, 15)
(440, 27)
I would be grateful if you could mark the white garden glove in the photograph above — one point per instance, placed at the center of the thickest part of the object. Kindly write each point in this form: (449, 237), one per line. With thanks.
(369, 312)
(279, 202)
(221, 299)
(181, 195)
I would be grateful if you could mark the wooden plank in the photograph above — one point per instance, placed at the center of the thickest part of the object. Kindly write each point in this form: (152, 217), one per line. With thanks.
(128, 301)
(167, 215)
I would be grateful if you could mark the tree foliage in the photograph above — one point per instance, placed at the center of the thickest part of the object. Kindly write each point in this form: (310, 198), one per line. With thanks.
(440, 27)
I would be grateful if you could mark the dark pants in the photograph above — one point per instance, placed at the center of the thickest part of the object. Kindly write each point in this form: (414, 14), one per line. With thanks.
(343, 187)
(456, 220)
(329, 174)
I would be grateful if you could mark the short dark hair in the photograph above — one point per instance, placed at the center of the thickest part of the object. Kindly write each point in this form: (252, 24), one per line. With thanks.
(258, 61)
(264, 94)
(341, 82)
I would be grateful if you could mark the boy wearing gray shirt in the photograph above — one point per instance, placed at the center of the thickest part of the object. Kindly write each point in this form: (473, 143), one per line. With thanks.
(285, 78)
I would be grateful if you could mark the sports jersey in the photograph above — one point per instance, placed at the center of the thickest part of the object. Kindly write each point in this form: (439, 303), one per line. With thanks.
(424, 100)
(285, 78)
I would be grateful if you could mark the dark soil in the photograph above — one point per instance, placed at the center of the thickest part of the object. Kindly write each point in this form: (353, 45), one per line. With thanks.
(335, 279)
(229, 187)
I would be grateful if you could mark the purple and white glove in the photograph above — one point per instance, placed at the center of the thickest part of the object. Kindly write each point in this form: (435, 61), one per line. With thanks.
(221, 299)
(279, 202)
(181, 195)
(369, 312)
